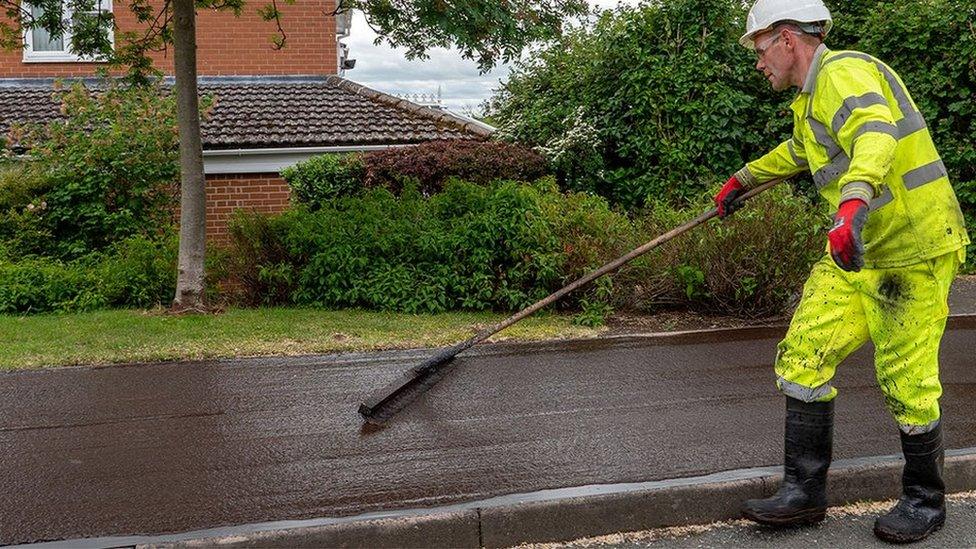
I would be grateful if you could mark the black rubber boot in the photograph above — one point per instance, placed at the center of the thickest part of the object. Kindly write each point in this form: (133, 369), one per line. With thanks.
(921, 509)
(802, 498)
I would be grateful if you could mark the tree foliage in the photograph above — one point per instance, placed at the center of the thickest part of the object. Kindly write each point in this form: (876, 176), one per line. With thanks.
(484, 30)
(650, 101)
(88, 26)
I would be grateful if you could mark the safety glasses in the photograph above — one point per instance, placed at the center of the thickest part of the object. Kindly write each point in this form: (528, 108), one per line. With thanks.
(761, 50)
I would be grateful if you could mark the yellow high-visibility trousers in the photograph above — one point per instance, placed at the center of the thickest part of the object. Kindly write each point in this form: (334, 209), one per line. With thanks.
(902, 310)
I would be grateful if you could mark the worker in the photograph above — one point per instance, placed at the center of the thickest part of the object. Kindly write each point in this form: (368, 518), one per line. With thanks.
(897, 241)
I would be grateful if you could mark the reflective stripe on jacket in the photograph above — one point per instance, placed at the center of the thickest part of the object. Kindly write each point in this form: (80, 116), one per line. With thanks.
(859, 133)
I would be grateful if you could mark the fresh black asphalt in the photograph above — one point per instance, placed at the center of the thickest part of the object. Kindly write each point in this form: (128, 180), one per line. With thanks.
(162, 448)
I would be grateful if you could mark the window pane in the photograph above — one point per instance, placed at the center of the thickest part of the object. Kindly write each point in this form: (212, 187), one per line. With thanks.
(41, 39)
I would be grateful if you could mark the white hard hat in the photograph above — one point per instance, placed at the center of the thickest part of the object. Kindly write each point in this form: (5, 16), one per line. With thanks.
(766, 13)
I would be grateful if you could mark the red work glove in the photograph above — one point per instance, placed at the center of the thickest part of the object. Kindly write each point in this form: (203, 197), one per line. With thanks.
(846, 246)
(725, 199)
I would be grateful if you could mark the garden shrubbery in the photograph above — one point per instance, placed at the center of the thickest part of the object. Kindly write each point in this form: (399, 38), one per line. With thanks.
(86, 219)
(426, 167)
(470, 247)
(109, 168)
(136, 272)
(639, 116)
(23, 229)
(748, 265)
(505, 245)
(324, 177)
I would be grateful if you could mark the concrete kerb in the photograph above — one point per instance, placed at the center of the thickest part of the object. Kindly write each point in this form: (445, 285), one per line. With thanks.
(568, 513)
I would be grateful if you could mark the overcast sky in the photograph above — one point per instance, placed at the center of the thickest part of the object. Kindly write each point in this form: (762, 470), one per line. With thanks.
(387, 70)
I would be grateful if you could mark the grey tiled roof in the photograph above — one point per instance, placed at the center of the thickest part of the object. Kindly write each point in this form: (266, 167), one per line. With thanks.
(29, 104)
(269, 113)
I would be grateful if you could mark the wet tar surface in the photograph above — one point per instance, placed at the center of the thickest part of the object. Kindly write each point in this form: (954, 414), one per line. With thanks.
(88, 452)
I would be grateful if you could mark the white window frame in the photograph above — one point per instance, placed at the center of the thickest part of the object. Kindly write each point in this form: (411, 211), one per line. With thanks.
(63, 56)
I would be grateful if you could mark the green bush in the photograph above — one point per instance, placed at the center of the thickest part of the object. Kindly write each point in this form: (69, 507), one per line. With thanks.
(23, 231)
(650, 102)
(322, 178)
(259, 261)
(136, 272)
(749, 265)
(470, 247)
(506, 245)
(20, 184)
(109, 168)
(43, 285)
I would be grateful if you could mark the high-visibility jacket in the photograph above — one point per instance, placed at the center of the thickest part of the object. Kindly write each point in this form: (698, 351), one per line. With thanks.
(859, 133)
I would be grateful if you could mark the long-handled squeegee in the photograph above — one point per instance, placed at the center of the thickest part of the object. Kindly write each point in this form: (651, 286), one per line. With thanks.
(382, 405)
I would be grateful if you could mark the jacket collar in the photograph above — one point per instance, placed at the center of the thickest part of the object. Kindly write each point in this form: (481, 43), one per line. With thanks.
(810, 82)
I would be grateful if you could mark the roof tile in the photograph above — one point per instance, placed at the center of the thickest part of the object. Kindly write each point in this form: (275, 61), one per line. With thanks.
(331, 112)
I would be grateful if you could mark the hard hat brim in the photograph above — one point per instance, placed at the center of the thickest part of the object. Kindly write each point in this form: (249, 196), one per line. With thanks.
(747, 39)
(747, 42)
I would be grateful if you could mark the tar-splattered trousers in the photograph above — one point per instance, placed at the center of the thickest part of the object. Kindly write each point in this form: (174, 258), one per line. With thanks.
(902, 310)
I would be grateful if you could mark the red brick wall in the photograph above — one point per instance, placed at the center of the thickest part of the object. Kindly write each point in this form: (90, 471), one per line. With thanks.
(260, 192)
(226, 45)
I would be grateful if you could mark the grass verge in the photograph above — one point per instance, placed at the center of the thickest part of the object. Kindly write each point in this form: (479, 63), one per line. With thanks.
(106, 337)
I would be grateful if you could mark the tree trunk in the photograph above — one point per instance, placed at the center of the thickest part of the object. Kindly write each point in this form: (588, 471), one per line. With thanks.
(193, 197)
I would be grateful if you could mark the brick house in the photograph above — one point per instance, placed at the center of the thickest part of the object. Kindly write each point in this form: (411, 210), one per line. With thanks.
(274, 108)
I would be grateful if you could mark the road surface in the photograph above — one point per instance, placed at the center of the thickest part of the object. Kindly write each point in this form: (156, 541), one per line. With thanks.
(160, 448)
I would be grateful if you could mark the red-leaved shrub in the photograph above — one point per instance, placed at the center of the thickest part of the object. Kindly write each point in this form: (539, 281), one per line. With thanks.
(431, 164)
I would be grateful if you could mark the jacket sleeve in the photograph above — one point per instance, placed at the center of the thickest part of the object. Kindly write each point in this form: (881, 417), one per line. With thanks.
(851, 104)
(789, 158)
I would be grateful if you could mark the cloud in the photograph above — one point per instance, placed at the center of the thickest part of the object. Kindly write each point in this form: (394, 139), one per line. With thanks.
(457, 80)
(461, 86)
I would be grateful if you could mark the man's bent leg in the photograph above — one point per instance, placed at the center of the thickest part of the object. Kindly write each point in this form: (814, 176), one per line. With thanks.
(827, 326)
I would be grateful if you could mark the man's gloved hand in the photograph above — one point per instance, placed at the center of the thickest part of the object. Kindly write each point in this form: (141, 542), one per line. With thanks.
(725, 199)
(846, 246)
